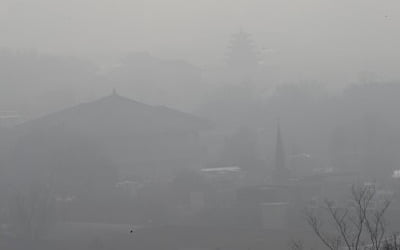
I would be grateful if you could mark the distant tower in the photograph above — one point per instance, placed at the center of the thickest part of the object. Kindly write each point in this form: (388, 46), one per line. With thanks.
(281, 173)
(243, 58)
(279, 151)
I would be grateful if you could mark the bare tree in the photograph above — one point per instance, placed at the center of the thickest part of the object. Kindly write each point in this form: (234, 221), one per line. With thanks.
(296, 245)
(391, 243)
(358, 225)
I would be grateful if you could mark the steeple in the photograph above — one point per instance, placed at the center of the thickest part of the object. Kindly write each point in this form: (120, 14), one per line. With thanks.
(279, 151)
(114, 92)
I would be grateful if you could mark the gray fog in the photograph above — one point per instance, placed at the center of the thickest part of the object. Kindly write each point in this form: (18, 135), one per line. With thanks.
(199, 125)
(333, 38)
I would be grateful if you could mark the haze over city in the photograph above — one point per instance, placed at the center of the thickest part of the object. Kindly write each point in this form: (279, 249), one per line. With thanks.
(199, 125)
(309, 38)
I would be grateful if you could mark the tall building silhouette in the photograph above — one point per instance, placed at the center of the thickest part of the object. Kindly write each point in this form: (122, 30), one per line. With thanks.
(281, 172)
(279, 151)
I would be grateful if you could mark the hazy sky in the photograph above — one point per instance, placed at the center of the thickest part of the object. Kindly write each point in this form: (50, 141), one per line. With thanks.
(304, 35)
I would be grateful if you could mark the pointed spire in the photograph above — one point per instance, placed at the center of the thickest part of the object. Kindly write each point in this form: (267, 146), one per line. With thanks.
(280, 151)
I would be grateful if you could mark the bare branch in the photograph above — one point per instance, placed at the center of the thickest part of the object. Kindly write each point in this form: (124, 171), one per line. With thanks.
(355, 223)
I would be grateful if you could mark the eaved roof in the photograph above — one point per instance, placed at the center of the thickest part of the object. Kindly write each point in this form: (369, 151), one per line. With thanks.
(118, 115)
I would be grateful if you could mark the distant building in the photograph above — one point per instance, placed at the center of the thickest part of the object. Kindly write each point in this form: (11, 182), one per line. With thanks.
(281, 173)
(223, 182)
(232, 173)
(143, 141)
